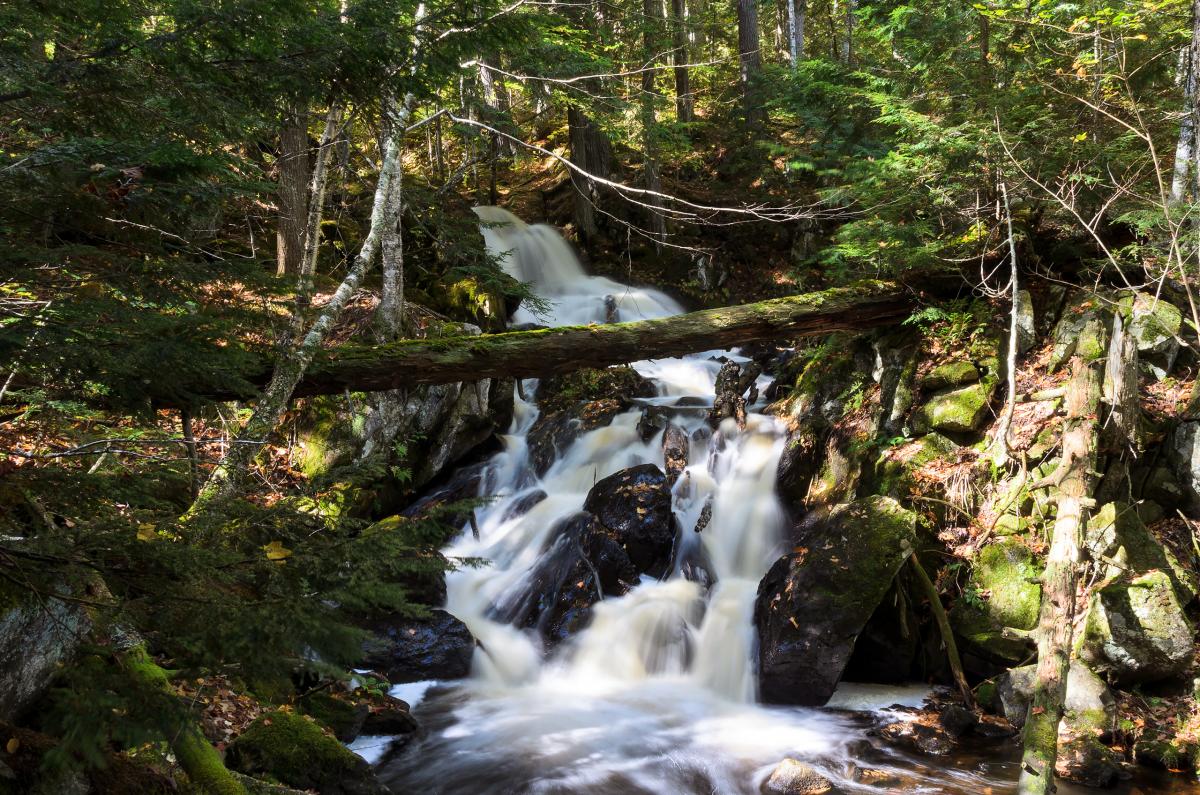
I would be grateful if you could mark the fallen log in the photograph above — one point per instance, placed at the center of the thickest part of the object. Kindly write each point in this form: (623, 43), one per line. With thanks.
(546, 352)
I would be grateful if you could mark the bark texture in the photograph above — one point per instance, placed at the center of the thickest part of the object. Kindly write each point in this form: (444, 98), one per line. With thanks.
(592, 153)
(1055, 625)
(680, 58)
(1186, 171)
(293, 192)
(749, 59)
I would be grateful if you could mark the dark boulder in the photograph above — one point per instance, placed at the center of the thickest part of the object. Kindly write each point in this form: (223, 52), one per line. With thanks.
(651, 423)
(582, 565)
(523, 505)
(634, 505)
(815, 600)
(417, 649)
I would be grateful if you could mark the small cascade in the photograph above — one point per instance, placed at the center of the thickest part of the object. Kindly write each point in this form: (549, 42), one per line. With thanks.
(656, 694)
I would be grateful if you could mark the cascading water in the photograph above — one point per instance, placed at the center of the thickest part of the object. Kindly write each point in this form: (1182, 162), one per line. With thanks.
(656, 694)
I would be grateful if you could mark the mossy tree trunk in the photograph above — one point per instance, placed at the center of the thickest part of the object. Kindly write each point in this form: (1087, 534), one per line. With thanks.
(1075, 480)
(545, 352)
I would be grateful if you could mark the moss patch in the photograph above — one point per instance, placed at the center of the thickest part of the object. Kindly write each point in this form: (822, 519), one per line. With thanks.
(960, 410)
(1002, 592)
(294, 750)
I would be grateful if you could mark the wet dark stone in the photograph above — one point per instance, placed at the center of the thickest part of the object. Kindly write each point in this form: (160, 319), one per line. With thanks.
(416, 649)
(676, 448)
(523, 505)
(916, 736)
(582, 564)
(634, 505)
(389, 716)
(957, 720)
(651, 423)
(696, 566)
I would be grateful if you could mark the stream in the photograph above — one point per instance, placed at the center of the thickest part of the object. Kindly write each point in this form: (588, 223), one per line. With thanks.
(657, 694)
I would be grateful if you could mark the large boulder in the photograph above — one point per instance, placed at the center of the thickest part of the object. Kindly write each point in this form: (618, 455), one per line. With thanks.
(1116, 535)
(1184, 450)
(1088, 699)
(634, 506)
(1081, 330)
(1136, 630)
(583, 564)
(793, 777)
(36, 637)
(417, 649)
(1154, 325)
(1002, 592)
(295, 750)
(815, 600)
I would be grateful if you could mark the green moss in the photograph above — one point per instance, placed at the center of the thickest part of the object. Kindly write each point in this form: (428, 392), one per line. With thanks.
(1002, 592)
(344, 716)
(567, 391)
(294, 750)
(960, 410)
(1136, 630)
(951, 374)
(1116, 532)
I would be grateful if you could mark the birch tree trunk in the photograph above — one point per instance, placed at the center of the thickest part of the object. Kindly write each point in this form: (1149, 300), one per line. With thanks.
(848, 41)
(312, 224)
(1187, 169)
(228, 478)
(797, 11)
(1059, 583)
(293, 192)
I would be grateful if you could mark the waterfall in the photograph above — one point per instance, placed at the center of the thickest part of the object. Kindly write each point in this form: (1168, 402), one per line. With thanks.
(656, 694)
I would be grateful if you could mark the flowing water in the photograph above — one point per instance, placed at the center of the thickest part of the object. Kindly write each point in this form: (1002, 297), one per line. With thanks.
(657, 694)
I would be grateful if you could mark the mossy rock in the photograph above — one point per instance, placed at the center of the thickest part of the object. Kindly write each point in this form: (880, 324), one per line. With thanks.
(1081, 330)
(1154, 326)
(1136, 631)
(326, 435)
(949, 375)
(893, 471)
(294, 750)
(960, 410)
(470, 301)
(1003, 593)
(1116, 532)
(342, 714)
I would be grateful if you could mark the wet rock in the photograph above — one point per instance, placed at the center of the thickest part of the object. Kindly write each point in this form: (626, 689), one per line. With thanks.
(705, 515)
(875, 777)
(1004, 578)
(734, 390)
(917, 736)
(949, 376)
(293, 749)
(583, 564)
(36, 638)
(416, 649)
(1088, 697)
(1087, 761)
(958, 410)
(695, 564)
(676, 448)
(793, 777)
(389, 716)
(523, 505)
(815, 600)
(651, 423)
(634, 505)
(957, 720)
(1136, 631)
(340, 712)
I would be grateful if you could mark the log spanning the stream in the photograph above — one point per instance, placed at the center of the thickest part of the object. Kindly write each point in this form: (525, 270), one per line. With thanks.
(545, 352)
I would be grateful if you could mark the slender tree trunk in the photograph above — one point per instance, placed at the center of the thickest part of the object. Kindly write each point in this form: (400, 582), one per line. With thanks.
(390, 315)
(651, 24)
(848, 41)
(1061, 579)
(312, 224)
(228, 478)
(797, 11)
(1186, 149)
(749, 60)
(293, 192)
(1014, 290)
(680, 58)
(1123, 428)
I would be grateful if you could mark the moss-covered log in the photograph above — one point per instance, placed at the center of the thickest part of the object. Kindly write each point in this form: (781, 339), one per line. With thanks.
(545, 352)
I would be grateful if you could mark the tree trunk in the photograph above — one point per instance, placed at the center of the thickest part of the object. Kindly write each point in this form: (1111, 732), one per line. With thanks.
(797, 11)
(680, 57)
(545, 352)
(749, 60)
(227, 479)
(848, 42)
(657, 224)
(293, 192)
(1185, 149)
(1123, 428)
(592, 153)
(311, 231)
(1056, 623)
